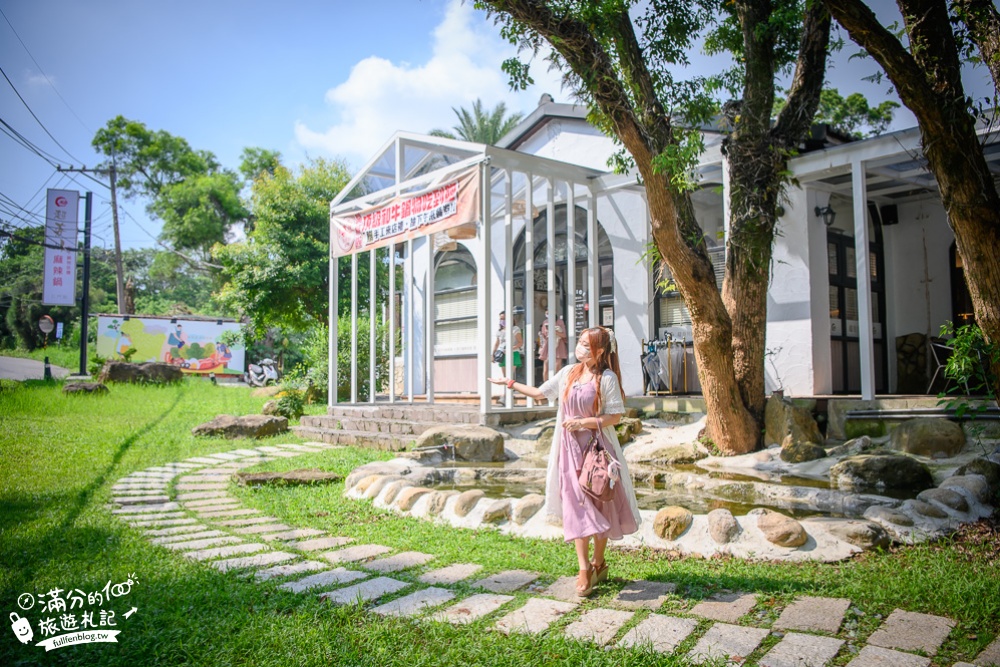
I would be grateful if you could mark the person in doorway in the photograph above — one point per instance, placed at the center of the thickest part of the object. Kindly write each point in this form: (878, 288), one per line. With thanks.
(590, 403)
(500, 343)
(543, 345)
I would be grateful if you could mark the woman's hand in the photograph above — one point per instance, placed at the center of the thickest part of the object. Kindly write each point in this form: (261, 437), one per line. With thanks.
(502, 381)
(574, 424)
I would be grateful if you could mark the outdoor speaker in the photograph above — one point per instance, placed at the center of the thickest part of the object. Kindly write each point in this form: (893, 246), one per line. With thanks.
(890, 214)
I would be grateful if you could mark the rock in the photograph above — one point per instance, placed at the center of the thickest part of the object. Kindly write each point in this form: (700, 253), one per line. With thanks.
(379, 484)
(498, 510)
(889, 515)
(290, 478)
(950, 499)
(84, 388)
(975, 485)
(982, 466)
(782, 417)
(928, 437)
(632, 412)
(880, 472)
(366, 482)
(862, 534)
(780, 529)
(722, 526)
(920, 507)
(407, 498)
(392, 490)
(437, 502)
(471, 442)
(396, 467)
(672, 455)
(544, 441)
(853, 447)
(527, 507)
(800, 452)
(632, 424)
(624, 433)
(248, 426)
(856, 427)
(261, 392)
(150, 372)
(467, 500)
(270, 408)
(671, 522)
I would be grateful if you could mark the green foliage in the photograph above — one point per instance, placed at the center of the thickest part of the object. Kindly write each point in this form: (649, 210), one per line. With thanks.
(479, 126)
(95, 363)
(290, 403)
(255, 162)
(128, 354)
(313, 373)
(971, 359)
(198, 211)
(851, 115)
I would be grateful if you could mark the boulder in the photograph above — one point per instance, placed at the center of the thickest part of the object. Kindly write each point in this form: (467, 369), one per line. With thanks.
(376, 487)
(862, 534)
(270, 408)
(889, 515)
(800, 452)
(248, 426)
(781, 530)
(926, 509)
(366, 482)
(544, 441)
(722, 526)
(151, 372)
(858, 445)
(84, 388)
(392, 490)
(666, 454)
(438, 500)
(407, 498)
(527, 507)
(467, 500)
(633, 424)
(880, 472)
(471, 442)
(975, 485)
(782, 418)
(497, 511)
(395, 467)
(982, 466)
(947, 497)
(671, 522)
(290, 478)
(928, 437)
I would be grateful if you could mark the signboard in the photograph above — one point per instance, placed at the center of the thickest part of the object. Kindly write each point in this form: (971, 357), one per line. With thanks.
(407, 216)
(193, 345)
(61, 212)
(580, 312)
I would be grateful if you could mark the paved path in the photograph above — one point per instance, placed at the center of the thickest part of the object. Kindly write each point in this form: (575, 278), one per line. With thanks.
(185, 507)
(15, 368)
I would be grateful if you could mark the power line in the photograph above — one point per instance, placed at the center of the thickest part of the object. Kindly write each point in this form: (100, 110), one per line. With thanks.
(42, 125)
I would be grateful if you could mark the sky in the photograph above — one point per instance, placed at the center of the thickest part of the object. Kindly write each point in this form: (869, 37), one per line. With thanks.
(307, 78)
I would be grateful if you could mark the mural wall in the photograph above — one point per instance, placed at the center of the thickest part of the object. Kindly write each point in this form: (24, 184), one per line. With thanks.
(191, 344)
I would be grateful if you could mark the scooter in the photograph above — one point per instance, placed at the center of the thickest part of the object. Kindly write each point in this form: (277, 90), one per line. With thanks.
(261, 375)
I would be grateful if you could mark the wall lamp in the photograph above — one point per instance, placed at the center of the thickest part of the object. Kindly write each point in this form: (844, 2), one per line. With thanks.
(827, 213)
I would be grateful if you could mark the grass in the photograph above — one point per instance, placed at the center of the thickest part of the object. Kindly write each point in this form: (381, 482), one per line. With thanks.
(59, 456)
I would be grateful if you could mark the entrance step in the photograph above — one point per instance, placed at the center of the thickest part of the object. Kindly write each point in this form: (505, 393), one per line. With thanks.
(385, 441)
(435, 413)
(366, 424)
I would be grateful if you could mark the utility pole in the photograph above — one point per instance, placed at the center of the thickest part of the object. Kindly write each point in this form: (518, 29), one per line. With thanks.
(85, 300)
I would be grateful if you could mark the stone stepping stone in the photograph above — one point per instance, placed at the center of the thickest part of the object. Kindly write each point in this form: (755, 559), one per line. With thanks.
(144, 474)
(201, 479)
(365, 591)
(162, 523)
(563, 588)
(727, 607)
(146, 519)
(176, 530)
(472, 608)
(198, 495)
(211, 502)
(270, 449)
(507, 582)
(814, 614)
(798, 650)
(451, 574)
(201, 459)
(990, 654)
(246, 452)
(207, 486)
(222, 552)
(148, 509)
(353, 554)
(873, 656)
(329, 578)
(192, 545)
(138, 489)
(415, 603)
(228, 513)
(910, 631)
(250, 521)
(168, 539)
(397, 562)
(662, 633)
(300, 448)
(727, 642)
(331, 542)
(289, 570)
(535, 616)
(598, 625)
(218, 505)
(260, 560)
(226, 456)
(643, 594)
(262, 528)
(285, 454)
(288, 533)
(140, 500)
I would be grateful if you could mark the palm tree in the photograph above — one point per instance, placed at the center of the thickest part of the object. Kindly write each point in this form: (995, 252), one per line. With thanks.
(479, 126)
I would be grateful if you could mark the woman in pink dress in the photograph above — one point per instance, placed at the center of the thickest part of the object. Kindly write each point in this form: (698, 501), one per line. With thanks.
(590, 401)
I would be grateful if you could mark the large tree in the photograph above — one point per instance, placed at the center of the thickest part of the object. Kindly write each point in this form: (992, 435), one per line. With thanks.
(927, 75)
(621, 66)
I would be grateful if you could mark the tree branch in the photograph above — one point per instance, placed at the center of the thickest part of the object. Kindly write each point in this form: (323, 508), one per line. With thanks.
(796, 117)
(983, 21)
(641, 81)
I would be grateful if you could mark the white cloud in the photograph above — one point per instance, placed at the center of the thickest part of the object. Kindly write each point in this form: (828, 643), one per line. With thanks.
(37, 79)
(380, 97)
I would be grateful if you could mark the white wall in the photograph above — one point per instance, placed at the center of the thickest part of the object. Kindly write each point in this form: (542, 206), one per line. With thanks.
(573, 141)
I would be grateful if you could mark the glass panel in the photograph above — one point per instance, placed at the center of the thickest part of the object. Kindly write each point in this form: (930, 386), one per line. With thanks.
(851, 267)
(673, 312)
(873, 265)
(851, 303)
(607, 280)
(834, 303)
(831, 252)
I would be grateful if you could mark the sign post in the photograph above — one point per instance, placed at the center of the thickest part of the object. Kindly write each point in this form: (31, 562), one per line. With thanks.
(85, 299)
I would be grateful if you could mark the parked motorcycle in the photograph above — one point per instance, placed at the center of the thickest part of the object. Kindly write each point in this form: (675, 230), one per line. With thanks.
(261, 375)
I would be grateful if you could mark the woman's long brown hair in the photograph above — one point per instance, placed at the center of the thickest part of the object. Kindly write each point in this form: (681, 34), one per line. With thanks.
(604, 359)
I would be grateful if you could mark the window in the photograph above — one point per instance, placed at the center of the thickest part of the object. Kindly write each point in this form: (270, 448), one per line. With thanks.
(455, 297)
(673, 312)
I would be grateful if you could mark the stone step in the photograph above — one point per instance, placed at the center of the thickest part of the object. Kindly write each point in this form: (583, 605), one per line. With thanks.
(440, 413)
(367, 424)
(383, 441)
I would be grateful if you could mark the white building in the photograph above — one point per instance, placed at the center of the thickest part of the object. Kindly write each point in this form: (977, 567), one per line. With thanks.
(591, 265)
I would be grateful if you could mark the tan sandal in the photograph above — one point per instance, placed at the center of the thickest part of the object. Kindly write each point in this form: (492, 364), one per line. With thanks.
(585, 582)
(600, 572)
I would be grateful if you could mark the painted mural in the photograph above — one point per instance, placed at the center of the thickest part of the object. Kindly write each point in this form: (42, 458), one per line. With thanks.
(193, 345)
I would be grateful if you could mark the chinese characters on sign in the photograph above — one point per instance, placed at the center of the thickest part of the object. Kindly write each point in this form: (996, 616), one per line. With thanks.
(72, 616)
(60, 252)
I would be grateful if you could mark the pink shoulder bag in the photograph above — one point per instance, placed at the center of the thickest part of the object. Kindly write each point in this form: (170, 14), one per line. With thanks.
(600, 471)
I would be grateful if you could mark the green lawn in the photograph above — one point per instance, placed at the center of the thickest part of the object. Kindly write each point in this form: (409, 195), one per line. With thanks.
(59, 456)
